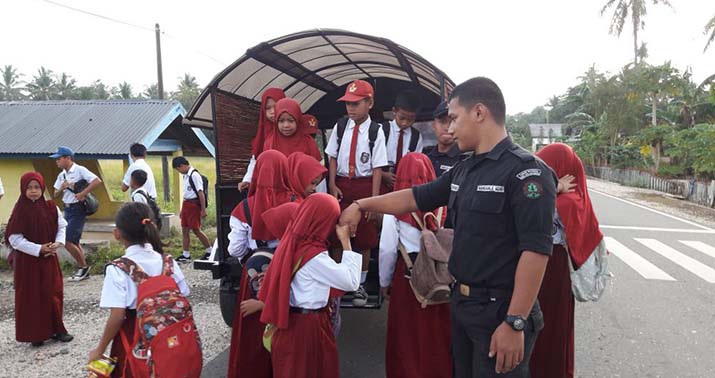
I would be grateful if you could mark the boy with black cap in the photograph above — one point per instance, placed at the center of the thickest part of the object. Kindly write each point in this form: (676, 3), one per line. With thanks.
(74, 212)
(401, 137)
(446, 153)
(357, 153)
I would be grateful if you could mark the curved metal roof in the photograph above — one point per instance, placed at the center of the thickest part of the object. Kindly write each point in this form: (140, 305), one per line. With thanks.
(310, 64)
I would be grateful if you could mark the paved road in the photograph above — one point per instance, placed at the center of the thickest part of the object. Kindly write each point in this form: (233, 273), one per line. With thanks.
(656, 319)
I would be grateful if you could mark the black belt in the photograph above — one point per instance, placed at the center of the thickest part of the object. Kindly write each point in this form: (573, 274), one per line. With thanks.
(299, 310)
(482, 292)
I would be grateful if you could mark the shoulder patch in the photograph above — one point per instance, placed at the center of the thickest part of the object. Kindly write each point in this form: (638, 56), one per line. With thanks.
(522, 154)
(528, 173)
(532, 190)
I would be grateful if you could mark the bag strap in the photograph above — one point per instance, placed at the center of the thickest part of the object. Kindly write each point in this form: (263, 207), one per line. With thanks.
(191, 182)
(420, 222)
(168, 267)
(372, 134)
(247, 212)
(132, 269)
(386, 130)
(414, 139)
(342, 125)
(405, 255)
(437, 218)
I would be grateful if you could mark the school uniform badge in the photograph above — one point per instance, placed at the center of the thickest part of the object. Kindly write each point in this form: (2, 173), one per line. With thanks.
(364, 157)
(532, 190)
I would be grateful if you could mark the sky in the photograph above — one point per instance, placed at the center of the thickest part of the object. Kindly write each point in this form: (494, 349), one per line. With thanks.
(532, 49)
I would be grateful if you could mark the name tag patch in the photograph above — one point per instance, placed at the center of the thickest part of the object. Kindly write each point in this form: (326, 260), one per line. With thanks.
(490, 188)
(528, 173)
(455, 187)
(445, 168)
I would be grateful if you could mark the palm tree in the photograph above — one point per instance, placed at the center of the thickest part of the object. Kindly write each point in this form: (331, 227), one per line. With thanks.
(710, 28)
(65, 87)
(42, 86)
(187, 91)
(636, 10)
(152, 91)
(11, 86)
(124, 91)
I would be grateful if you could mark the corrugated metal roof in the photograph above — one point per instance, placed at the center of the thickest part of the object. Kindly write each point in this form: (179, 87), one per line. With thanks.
(92, 127)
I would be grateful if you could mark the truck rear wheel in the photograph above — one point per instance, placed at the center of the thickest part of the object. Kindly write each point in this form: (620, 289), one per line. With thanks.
(227, 299)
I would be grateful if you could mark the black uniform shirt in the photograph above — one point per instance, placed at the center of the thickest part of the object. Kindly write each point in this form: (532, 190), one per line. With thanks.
(500, 203)
(441, 161)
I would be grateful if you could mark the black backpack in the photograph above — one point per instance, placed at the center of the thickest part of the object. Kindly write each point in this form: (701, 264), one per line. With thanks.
(204, 180)
(154, 208)
(372, 134)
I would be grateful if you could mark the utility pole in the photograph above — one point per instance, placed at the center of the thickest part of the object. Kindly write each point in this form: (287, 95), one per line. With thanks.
(160, 88)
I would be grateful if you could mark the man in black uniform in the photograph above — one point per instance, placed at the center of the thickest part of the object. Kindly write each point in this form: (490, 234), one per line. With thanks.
(446, 153)
(501, 201)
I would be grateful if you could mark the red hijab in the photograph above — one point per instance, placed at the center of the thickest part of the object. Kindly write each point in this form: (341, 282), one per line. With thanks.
(269, 188)
(306, 237)
(416, 169)
(265, 125)
(300, 141)
(278, 218)
(35, 220)
(310, 124)
(303, 170)
(575, 209)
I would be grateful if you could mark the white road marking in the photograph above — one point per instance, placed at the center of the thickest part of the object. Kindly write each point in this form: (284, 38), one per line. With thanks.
(700, 246)
(696, 267)
(652, 210)
(644, 267)
(658, 229)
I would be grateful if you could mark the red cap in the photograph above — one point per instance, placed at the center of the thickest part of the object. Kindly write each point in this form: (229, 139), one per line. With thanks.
(358, 90)
(310, 124)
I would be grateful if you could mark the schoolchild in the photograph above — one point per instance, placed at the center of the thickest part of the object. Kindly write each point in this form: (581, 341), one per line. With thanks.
(445, 154)
(418, 339)
(74, 211)
(297, 287)
(193, 209)
(310, 124)
(290, 136)
(575, 238)
(249, 231)
(137, 152)
(306, 174)
(355, 168)
(140, 237)
(266, 127)
(34, 231)
(137, 181)
(401, 138)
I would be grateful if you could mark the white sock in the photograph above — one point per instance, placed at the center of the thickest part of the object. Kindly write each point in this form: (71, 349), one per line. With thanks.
(186, 254)
(208, 250)
(363, 277)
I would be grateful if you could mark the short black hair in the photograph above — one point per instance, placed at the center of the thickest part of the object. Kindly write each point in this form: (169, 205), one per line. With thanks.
(481, 90)
(139, 177)
(138, 150)
(409, 101)
(179, 161)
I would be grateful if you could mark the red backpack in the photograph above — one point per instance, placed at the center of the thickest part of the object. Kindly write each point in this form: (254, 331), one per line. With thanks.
(167, 343)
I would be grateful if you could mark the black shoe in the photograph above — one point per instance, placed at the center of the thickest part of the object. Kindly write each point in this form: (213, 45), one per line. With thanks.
(63, 337)
(207, 256)
(37, 344)
(183, 259)
(80, 275)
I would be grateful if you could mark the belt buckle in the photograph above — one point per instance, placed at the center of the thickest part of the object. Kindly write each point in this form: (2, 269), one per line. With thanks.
(464, 290)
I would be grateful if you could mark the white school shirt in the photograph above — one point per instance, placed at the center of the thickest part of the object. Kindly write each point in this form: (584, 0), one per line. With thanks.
(119, 291)
(365, 160)
(392, 229)
(72, 175)
(394, 139)
(19, 243)
(239, 239)
(311, 285)
(138, 197)
(2, 190)
(189, 193)
(142, 165)
(249, 171)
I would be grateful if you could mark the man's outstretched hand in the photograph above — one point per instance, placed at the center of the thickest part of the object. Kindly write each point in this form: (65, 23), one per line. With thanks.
(351, 217)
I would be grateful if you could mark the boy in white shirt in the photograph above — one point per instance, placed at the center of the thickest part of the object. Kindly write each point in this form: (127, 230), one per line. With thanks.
(138, 154)
(401, 137)
(193, 209)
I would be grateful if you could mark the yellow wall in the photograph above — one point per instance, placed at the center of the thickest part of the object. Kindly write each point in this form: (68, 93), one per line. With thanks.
(12, 169)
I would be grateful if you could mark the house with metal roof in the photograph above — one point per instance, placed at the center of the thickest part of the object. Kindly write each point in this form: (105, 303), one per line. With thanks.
(96, 130)
(544, 133)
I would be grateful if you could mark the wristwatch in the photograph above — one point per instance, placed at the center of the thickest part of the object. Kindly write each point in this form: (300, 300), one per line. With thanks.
(516, 322)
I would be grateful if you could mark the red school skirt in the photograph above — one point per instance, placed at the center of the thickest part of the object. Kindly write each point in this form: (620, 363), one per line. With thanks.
(306, 349)
(553, 355)
(366, 235)
(190, 214)
(247, 357)
(122, 346)
(38, 298)
(418, 339)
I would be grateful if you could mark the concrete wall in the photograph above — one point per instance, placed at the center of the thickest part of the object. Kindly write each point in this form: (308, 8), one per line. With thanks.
(12, 169)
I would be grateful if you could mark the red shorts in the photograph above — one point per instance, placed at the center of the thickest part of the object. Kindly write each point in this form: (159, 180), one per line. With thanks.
(190, 215)
(354, 189)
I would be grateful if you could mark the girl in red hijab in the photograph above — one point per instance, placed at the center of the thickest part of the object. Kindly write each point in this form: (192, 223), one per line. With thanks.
(576, 227)
(418, 339)
(297, 287)
(291, 135)
(266, 127)
(269, 189)
(306, 173)
(35, 231)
